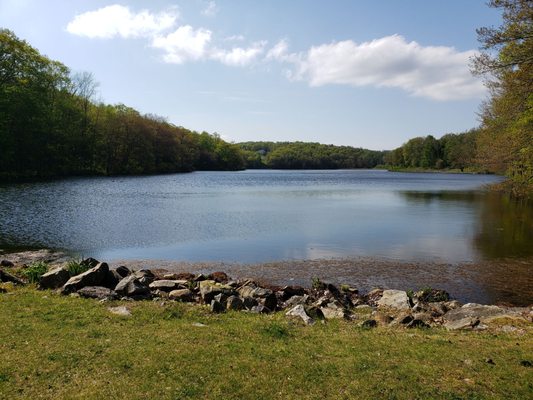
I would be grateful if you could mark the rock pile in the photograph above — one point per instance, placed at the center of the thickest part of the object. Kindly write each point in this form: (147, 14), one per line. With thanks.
(422, 309)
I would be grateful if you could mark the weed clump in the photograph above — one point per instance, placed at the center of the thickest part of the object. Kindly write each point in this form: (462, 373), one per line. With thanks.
(34, 271)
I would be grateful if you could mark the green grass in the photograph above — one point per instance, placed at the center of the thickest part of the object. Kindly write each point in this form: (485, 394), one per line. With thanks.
(75, 267)
(63, 347)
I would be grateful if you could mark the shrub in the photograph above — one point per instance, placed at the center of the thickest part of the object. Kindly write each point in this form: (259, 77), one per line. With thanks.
(34, 271)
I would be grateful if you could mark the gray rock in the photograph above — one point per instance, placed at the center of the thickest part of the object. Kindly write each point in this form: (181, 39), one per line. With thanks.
(221, 298)
(131, 286)
(54, 279)
(270, 302)
(168, 285)
(332, 312)
(120, 310)
(92, 277)
(249, 302)
(417, 323)
(6, 263)
(296, 300)
(217, 307)
(253, 291)
(181, 295)
(322, 301)
(209, 289)
(395, 299)
(97, 292)
(111, 280)
(452, 305)
(461, 324)
(200, 278)
(291, 291)
(234, 303)
(260, 309)
(7, 277)
(476, 311)
(299, 312)
(145, 276)
(122, 271)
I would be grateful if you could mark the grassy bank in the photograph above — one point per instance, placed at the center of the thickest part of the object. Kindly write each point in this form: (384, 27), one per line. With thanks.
(64, 347)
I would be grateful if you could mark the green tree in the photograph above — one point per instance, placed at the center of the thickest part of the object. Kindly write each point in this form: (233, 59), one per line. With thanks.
(505, 142)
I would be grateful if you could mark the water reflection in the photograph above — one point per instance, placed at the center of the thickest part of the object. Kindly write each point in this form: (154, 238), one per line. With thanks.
(502, 225)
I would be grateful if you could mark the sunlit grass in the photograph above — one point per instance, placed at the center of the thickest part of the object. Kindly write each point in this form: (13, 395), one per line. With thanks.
(63, 347)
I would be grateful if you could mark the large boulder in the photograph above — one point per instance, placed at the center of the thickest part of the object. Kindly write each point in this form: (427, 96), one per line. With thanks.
(54, 279)
(394, 299)
(466, 323)
(471, 315)
(92, 277)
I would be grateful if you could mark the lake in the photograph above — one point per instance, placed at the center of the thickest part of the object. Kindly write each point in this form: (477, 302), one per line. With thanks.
(259, 216)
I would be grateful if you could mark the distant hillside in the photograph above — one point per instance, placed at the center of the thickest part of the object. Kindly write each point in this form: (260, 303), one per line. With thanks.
(304, 155)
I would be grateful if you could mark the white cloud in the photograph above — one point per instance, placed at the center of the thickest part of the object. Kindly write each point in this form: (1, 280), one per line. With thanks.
(117, 20)
(238, 56)
(279, 51)
(211, 9)
(439, 73)
(234, 38)
(184, 44)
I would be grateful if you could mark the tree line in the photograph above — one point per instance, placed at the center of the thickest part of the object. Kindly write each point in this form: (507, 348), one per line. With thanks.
(50, 126)
(305, 155)
(451, 151)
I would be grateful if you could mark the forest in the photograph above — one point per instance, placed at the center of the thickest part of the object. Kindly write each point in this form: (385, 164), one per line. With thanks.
(50, 126)
(305, 155)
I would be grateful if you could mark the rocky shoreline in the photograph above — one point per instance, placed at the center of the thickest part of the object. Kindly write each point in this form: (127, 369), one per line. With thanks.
(321, 302)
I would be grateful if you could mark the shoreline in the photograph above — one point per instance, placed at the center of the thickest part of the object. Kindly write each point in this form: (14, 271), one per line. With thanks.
(475, 282)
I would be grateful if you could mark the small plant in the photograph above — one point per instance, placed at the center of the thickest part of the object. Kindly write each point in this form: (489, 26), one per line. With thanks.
(34, 271)
(345, 288)
(76, 267)
(316, 283)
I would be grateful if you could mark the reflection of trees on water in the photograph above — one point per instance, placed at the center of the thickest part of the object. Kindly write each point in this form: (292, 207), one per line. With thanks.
(503, 225)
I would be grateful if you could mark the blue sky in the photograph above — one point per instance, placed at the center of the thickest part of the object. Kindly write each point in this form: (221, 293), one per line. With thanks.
(363, 73)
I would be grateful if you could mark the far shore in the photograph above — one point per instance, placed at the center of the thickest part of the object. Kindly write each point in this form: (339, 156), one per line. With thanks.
(476, 282)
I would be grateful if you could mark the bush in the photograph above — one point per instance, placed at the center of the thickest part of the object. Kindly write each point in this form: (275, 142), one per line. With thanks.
(34, 271)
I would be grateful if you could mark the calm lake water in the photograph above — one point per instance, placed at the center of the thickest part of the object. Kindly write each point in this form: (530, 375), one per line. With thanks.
(257, 216)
